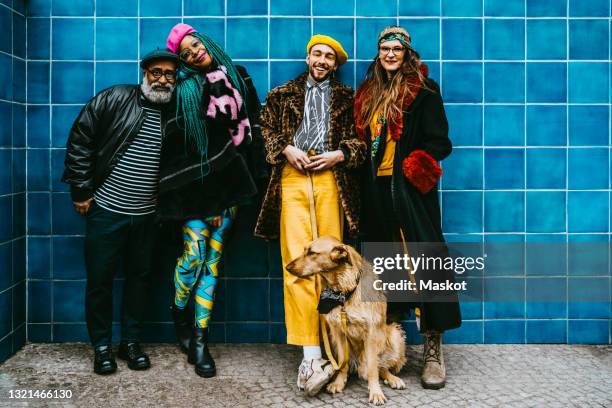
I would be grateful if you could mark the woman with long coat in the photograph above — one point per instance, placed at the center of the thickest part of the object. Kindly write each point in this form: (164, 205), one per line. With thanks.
(400, 114)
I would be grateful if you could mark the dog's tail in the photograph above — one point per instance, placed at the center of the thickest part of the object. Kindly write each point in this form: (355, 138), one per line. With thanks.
(396, 344)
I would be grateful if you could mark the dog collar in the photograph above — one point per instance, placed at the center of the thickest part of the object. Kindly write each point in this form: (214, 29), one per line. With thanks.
(330, 299)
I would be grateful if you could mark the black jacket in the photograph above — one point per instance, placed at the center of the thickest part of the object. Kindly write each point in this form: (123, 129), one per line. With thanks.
(101, 134)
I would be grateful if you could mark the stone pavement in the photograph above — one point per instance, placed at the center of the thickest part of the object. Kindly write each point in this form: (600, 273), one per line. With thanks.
(263, 375)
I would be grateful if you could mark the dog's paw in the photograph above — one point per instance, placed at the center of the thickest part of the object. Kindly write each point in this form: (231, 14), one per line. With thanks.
(377, 397)
(395, 382)
(336, 386)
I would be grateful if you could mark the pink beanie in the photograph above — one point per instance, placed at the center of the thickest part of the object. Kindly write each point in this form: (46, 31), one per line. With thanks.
(176, 35)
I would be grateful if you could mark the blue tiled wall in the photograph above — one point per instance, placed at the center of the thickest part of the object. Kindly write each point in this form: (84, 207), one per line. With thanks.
(12, 177)
(527, 90)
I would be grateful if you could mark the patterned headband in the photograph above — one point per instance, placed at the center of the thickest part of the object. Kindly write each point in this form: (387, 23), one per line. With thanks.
(395, 36)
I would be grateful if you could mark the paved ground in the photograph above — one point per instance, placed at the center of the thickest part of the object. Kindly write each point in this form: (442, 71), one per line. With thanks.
(264, 376)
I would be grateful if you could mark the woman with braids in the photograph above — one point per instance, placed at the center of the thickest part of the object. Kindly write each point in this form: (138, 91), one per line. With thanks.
(400, 115)
(207, 170)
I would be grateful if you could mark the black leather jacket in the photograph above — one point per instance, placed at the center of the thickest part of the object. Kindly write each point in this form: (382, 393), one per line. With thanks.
(101, 134)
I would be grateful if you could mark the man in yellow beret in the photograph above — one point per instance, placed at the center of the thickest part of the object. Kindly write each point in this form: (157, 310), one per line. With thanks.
(307, 124)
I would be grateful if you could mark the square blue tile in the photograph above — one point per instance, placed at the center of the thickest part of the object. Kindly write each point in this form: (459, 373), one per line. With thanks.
(246, 8)
(468, 333)
(19, 36)
(257, 309)
(462, 39)
(419, 8)
(281, 72)
(204, 8)
(290, 8)
(6, 71)
(245, 36)
(465, 124)
(589, 39)
(38, 126)
(6, 20)
(213, 28)
(72, 82)
(332, 8)
(378, 8)
(72, 39)
(368, 30)
(39, 258)
(38, 8)
(547, 39)
(588, 211)
(462, 211)
(588, 82)
(6, 211)
(248, 333)
(588, 298)
(19, 81)
(277, 309)
(110, 45)
(546, 125)
(546, 298)
(71, 8)
(70, 332)
(546, 82)
(125, 8)
(6, 265)
(588, 331)
(463, 170)
(39, 302)
(5, 174)
(64, 219)
(588, 169)
(38, 82)
(504, 331)
(285, 31)
(115, 73)
(546, 331)
(588, 125)
(504, 168)
(278, 333)
(19, 126)
(462, 82)
(504, 39)
(63, 118)
(68, 258)
(462, 8)
(424, 36)
(504, 212)
(546, 8)
(6, 118)
(153, 33)
(504, 298)
(39, 333)
(340, 29)
(152, 8)
(259, 73)
(588, 255)
(504, 8)
(6, 312)
(504, 125)
(591, 8)
(546, 211)
(546, 255)
(38, 170)
(546, 168)
(19, 259)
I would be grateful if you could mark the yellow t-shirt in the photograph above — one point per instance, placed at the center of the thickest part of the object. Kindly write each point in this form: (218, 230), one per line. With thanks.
(386, 165)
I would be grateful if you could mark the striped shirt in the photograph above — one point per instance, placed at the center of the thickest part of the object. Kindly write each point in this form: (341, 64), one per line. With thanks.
(312, 133)
(131, 188)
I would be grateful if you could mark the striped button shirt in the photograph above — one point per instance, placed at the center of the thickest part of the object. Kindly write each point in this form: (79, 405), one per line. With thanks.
(131, 188)
(312, 133)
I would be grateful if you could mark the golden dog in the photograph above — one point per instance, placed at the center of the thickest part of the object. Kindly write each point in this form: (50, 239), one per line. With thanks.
(376, 349)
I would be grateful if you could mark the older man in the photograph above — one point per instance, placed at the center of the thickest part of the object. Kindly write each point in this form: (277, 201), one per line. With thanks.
(112, 165)
(307, 124)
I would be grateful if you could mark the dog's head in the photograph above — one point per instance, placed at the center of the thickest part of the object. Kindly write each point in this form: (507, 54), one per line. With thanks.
(327, 257)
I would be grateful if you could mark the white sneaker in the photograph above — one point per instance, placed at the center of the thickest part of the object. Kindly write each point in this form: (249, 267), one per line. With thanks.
(304, 373)
(322, 372)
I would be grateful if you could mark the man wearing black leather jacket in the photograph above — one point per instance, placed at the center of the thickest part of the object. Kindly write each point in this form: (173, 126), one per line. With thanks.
(112, 166)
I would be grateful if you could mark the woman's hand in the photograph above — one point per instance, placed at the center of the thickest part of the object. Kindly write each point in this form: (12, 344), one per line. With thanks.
(325, 160)
(296, 157)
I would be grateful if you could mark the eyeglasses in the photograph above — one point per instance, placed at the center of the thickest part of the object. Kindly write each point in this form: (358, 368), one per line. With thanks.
(387, 50)
(157, 73)
(187, 54)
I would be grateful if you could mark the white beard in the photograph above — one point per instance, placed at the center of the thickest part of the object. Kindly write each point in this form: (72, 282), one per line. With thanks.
(152, 92)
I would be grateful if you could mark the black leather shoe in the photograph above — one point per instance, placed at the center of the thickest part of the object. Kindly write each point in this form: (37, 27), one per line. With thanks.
(182, 326)
(104, 361)
(199, 354)
(133, 354)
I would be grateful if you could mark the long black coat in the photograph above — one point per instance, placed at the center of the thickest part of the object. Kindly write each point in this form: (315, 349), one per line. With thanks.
(425, 127)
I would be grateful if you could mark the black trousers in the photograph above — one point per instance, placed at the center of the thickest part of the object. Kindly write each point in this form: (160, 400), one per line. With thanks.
(110, 238)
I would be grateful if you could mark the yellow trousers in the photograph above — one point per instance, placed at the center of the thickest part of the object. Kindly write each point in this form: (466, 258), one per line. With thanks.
(302, 295)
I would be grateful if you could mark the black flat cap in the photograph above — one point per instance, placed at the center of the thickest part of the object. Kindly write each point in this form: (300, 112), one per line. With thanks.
(157, 55)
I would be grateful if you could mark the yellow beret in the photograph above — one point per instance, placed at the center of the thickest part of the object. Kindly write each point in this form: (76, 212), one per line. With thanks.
(341, 55)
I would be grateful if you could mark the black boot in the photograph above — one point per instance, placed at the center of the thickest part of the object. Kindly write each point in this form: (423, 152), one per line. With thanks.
(182, 326)
(104, 361)
(199, 354)
(133, 354)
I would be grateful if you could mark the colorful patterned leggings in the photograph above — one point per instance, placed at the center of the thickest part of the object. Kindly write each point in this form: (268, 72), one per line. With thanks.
(197, 270)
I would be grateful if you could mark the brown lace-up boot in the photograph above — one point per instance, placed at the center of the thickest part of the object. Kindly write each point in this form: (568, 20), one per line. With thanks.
(434, 370)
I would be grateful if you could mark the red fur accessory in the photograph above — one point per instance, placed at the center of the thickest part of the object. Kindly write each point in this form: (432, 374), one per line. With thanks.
(421, 170)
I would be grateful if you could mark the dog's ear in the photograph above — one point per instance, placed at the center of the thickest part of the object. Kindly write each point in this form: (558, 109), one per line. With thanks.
(340, 254)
